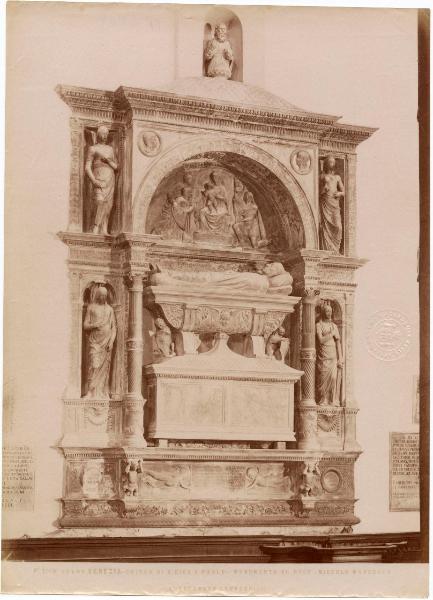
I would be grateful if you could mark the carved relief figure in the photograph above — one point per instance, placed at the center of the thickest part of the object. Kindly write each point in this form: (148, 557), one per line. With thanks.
(149, 143)
(188, 187)
(100, 168)
(273, 344)
(267, 476)
(219, 54)
(274, 279)
(179, 476)
(249, 226)
(100, 324)
(301, 161)
(132, 470)
(163, 339)
(310, 479)
(238, 198)
(329, 359)
(331, 189)
(215, 214)
(200, 204)
(177, 219)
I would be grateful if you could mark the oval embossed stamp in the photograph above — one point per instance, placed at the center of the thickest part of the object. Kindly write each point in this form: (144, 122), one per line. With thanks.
(388, 335)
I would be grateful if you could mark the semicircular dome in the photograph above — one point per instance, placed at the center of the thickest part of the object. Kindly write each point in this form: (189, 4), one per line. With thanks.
(235, 92)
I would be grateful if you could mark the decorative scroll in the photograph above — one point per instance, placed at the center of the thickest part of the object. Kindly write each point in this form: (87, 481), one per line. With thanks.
(174, 314)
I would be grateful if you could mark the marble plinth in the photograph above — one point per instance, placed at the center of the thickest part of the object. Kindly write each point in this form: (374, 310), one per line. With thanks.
(184, 487)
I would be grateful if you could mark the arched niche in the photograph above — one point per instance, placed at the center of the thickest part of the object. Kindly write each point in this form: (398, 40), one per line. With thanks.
(282, 203)
(221, 14)
(89, 206)
(89, 297)
(338, 319)
(337, 312)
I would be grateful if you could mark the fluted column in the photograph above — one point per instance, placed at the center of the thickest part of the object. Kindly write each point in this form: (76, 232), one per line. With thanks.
(307, 410)
(133, 432)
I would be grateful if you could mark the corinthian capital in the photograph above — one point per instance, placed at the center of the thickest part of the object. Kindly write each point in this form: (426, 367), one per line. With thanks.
(310, 292)
(134, 279)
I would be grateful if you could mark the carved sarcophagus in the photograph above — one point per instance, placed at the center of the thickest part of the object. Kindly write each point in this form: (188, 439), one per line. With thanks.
(221, 395)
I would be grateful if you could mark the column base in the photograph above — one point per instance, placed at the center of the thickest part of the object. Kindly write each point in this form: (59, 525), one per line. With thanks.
(133, 429)
(307, 419)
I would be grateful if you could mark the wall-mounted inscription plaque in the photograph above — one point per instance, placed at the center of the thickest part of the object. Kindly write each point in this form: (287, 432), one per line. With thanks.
(18, 478)
(404, 472)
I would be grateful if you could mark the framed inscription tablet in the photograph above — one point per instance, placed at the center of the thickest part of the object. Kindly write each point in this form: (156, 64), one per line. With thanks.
(404, 471)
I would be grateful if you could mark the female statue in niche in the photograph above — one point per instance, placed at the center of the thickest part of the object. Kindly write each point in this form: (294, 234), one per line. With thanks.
(219, 54)
(331, 189)
(100, 168)
(329, 359)
(100, 324)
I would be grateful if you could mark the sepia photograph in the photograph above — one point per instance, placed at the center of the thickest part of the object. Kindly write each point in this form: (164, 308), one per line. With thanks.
(216, 321)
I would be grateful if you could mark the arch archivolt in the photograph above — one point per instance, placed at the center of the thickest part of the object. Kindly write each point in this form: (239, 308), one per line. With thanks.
(189, 149)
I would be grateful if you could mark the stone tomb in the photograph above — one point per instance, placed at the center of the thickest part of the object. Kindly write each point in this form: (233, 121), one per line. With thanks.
(220, 394)
(210, 380)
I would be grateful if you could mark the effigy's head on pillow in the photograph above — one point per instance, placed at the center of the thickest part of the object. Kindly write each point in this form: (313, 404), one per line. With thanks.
(280, 280)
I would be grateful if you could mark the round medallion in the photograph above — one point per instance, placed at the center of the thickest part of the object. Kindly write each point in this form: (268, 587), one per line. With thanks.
(149, 143)
(331, 481)
(388, 336)
(301, 161)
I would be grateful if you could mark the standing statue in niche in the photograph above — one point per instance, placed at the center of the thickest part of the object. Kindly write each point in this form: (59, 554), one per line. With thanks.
(100, 169)
(219, 54)
(331, 190)
(100, 324)
(329, 359)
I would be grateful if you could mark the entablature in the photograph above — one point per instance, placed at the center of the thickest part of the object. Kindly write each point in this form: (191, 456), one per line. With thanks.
(126, 104)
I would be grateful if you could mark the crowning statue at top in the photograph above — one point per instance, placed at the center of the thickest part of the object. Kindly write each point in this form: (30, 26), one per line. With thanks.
(219, 54)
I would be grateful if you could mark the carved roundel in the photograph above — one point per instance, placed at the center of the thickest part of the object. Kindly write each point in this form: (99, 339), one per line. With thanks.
(301, 161)
(149, 143)
(331, 481)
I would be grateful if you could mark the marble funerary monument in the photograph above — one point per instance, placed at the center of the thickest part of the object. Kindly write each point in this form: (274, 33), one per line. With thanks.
(212, 255)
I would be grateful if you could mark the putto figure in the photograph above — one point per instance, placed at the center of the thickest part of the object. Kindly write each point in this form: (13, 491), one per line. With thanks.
(273, 344)
(331, 190)
(219, 54)
(163, 339)
(329, 359)
(100, 323)
(100, 169)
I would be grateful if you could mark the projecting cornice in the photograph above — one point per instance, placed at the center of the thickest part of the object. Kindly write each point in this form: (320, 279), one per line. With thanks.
(128, 103)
